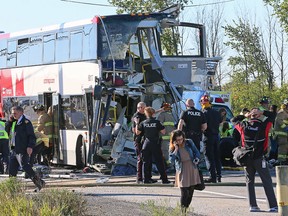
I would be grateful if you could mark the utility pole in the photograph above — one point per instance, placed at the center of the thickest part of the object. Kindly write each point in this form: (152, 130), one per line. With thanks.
(282, 189)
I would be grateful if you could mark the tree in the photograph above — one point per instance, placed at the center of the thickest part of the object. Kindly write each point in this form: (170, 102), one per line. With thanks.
(251, 61)
(213, 17)
(280, 8)
(140, 6)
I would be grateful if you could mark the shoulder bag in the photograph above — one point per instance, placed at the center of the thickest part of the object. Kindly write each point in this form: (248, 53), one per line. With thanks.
(200, 186)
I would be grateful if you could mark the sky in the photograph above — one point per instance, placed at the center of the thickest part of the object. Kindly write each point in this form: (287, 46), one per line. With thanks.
(18, 15)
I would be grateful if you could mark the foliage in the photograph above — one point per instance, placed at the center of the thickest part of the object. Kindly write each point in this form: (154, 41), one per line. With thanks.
(151, 208)
(251, 62)
(15, 202)
(280, 7)
(136, 6)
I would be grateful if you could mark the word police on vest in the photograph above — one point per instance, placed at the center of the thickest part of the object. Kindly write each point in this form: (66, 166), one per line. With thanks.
(151, 125)
(194, 113)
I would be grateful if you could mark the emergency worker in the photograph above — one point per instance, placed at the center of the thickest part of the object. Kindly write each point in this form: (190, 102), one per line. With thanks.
(24, 141)
(4, 148)
(167, 120)
(264, 103)
(194, 121)
(151, 146)
(254, 132)
(42, 143)
(212, 155)
(281, 132)
(44, 125)
(138, 139)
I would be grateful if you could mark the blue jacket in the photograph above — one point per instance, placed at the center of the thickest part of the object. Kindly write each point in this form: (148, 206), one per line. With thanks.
(25, 136)
(176, 159)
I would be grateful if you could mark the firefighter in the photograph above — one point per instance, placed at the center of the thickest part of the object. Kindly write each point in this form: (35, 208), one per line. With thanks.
(281, 132)
(151, 146)
(264, 103)
(24, 140)
(44, 125)
(4, 148)
(167, 119)
(42, 143)
(195, 123)
(212, 156)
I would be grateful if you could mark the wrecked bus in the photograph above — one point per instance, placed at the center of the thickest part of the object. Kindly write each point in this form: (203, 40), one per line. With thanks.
(102, 67)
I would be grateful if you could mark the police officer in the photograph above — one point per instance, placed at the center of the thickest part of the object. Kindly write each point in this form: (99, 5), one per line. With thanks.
(24, 139)
(195, 123)
(4, 148)
(151, 146)
(138, 139)
(212, 156)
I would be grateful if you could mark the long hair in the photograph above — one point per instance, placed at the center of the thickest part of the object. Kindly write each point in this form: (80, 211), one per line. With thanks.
(173, 136)
(149, 111)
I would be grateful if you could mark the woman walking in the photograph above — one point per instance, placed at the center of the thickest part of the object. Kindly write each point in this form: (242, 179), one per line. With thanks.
(185, 155)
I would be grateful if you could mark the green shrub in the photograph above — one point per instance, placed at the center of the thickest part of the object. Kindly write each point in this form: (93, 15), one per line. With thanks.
(14, 201)
(63, 201)
(151, 208)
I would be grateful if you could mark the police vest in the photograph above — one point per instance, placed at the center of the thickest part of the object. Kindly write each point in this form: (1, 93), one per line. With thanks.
(3, 133)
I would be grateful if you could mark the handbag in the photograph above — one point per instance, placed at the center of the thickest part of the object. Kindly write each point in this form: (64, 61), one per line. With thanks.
(200, 186)
(242, 156)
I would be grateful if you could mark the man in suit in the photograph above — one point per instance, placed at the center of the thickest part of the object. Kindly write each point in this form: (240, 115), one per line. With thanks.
(23, 139)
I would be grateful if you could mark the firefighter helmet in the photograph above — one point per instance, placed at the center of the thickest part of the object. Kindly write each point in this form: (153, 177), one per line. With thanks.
(38, 107)
(166, 106)
(205, 99)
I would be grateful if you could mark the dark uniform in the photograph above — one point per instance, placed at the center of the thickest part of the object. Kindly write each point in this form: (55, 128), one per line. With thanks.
(24, 137)
(212, 156)
(193, 119)
(152, 148)
(138, 143)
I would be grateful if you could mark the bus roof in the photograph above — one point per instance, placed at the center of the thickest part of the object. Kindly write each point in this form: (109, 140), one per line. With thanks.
(95, 19)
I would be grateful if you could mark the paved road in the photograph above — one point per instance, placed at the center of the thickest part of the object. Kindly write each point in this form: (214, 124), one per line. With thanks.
(107, 195)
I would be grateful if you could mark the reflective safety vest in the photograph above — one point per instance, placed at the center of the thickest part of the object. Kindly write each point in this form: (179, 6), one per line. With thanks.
(12, 134)
(40, 137)
(167, 120)
(3, 133)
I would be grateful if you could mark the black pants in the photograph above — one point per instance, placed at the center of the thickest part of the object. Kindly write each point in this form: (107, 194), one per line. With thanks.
(212, 156)
(4, 150)
(37, 151)
(14, 165)
(195, 137)
(152, 149)
(186, 196)
(138, 147)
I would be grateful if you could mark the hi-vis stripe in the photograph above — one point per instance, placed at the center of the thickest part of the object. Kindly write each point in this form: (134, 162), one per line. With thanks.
(168, 123)
(254, 140)
(166, 137)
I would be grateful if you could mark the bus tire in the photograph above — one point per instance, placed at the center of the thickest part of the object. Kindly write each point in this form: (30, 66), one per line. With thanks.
(80, 153)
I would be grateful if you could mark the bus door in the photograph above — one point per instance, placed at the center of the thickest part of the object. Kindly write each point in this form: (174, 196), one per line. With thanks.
(90, 111)
(58, 122)
(47, 100)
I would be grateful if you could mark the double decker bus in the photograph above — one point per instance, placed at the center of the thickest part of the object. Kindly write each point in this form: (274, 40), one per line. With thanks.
(58, 67)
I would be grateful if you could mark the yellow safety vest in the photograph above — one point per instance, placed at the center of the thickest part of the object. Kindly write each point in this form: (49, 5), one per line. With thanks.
(3, 133)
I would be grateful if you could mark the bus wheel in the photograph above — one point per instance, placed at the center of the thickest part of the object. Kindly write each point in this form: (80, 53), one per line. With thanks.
(80, 153)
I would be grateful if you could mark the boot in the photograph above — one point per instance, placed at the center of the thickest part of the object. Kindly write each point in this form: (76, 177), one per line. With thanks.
(38, 182)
